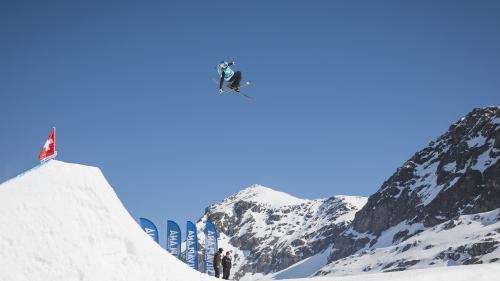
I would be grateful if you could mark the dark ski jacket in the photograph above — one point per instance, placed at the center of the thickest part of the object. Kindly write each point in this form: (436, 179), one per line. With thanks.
(226, 263)
(217, 260)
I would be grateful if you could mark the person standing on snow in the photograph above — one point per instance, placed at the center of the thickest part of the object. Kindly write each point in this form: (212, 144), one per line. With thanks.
(226, 73)
(226, 265)
(217, 262)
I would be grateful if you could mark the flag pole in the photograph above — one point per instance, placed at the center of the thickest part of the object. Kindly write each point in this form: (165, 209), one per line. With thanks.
(55, 143)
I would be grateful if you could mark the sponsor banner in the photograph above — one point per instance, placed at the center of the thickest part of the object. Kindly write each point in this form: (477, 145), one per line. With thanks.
(210, 248)
(191, 246)
(150, 228)
(173, 239)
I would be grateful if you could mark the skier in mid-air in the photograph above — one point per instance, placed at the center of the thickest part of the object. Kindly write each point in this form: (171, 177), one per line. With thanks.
(226, 73)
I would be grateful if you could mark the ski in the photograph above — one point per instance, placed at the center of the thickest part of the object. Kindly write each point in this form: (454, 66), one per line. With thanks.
(227, 89)
(245, 96)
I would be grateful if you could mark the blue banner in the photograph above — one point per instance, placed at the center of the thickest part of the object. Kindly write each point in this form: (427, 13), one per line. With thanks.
(191, 246)
(173, 239)
(150, 228)
(210, 248)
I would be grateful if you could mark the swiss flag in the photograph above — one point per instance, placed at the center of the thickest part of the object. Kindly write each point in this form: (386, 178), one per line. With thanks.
(49, 148)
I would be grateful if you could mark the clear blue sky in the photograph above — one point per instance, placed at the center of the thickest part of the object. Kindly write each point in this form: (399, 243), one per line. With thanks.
(345, 91)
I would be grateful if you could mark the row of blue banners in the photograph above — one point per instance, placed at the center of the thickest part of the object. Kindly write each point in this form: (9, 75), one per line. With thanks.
(174, 242)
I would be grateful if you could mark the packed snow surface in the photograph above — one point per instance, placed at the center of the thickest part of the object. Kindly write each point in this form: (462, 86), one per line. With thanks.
(486, 272)
(63, 221)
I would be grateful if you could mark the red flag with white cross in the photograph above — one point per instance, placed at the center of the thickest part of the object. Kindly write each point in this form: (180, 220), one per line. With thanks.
(49, 148)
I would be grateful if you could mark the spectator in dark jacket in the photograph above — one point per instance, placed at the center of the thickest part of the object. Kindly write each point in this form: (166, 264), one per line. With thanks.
(226, 265)
(217, 262)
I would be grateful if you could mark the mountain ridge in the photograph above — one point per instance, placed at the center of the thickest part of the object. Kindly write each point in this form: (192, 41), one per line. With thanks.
(269, 230)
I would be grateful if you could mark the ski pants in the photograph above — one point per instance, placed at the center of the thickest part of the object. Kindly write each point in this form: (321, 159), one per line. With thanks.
(235, 80)
(225, 274)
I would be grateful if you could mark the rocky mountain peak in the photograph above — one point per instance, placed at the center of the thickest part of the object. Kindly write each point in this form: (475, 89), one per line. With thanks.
(457, 174)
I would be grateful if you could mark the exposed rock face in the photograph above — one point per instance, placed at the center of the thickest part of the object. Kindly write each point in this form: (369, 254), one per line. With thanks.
(461, 167)
(269, 230)
(458, 174)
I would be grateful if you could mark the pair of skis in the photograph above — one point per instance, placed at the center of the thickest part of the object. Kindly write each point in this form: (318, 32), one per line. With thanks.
(227, 89)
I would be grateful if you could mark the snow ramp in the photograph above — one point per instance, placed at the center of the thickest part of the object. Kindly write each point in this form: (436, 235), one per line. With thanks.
(62, 221)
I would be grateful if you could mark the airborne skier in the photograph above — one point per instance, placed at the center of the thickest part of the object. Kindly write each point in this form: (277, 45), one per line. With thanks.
(226, 73)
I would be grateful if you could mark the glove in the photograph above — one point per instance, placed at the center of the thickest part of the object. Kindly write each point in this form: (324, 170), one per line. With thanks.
(220, 91)
(233, 62)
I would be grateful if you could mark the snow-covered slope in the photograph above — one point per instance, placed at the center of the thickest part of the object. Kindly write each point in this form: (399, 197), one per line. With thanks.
(63, 221)
(465, 240)
(487, 272)
(305, 268)
(268, 230)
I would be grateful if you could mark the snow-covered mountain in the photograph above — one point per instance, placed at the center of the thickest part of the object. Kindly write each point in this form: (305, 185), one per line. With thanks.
(268, 230)
(440, 208)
